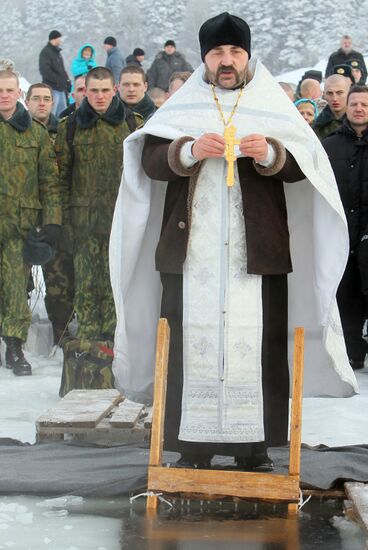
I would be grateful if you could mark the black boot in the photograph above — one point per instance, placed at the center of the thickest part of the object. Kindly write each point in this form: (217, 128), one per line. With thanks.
(259, 462)
(189, 460)
(14, 357)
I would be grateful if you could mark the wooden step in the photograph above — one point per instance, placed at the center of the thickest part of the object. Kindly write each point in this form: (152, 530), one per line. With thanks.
(127, 414)
(97, 416)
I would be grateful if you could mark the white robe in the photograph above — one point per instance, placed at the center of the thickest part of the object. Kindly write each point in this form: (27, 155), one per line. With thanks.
(317, 225)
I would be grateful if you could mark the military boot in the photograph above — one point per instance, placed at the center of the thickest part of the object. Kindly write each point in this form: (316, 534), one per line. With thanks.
(14, 357)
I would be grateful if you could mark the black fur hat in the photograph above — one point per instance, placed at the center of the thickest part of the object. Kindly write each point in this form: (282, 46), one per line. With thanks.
(224, 29)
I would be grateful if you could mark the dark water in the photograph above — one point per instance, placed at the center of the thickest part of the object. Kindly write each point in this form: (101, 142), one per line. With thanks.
(214, 526)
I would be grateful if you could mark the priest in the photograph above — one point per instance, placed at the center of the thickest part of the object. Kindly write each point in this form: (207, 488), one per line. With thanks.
(228, 195)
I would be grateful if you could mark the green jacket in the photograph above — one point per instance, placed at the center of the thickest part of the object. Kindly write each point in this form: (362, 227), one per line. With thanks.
(90, 169)
(29, 187)
(52, 127)
(326, 123)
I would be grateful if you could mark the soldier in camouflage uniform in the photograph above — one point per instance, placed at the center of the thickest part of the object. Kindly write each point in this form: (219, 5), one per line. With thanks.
(90, 172)
(29, 197)
(59, 273)
(331, 118)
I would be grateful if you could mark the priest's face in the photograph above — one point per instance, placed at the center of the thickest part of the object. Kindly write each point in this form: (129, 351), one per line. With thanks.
(226, 66)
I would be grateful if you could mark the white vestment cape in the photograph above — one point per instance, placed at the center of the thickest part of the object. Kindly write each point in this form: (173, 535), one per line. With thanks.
(318, 234)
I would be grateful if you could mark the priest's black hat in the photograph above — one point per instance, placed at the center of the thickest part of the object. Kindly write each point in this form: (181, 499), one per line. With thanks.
(224, 29)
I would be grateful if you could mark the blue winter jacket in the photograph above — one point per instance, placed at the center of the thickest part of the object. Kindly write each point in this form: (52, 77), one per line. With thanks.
(115, 62)
(82, 66)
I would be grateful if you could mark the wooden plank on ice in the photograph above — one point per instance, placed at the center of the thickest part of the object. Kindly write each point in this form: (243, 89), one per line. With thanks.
(127, 414)
(80, 409)
(358, 495)
(271, 487)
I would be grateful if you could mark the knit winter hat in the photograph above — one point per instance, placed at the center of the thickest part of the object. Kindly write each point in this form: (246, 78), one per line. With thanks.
(54, 34)
(169, 43)
(224, 29)
(138, 51)
(110, 41)
(307, 100)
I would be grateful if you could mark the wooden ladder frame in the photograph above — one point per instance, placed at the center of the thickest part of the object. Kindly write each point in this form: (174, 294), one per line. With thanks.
(223, 483)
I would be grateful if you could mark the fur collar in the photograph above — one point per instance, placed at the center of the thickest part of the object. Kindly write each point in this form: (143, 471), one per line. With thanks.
(21, 120)
(87, 116)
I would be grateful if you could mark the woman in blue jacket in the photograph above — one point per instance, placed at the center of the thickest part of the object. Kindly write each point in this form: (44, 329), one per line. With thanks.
(85, 60)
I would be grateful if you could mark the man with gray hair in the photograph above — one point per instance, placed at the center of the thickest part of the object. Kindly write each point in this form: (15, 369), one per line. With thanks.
(343, 55)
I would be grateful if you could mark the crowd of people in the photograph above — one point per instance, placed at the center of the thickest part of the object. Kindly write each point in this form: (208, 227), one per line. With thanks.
(339, 117)
(87, 134)
(61, 169)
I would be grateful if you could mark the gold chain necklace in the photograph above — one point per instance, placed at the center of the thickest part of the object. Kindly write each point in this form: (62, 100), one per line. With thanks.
(226, 122)
(229, 135)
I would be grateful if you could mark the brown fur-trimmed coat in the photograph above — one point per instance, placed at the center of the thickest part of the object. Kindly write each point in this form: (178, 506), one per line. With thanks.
(265, 215)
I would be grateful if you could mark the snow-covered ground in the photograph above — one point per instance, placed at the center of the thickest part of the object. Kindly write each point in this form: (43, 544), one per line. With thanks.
(330, 421)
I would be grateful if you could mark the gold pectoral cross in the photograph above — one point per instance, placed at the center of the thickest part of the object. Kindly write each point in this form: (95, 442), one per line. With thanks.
(229, 135)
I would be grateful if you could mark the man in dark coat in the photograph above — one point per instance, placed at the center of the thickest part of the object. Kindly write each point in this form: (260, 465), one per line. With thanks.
(210, 216)
(261, 173)
(343, 55)
(363, 269)
(51, 66)
(136, 58)
(347, 150)
(165, 64)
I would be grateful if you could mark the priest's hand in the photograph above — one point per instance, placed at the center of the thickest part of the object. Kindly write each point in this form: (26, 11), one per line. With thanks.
(254, 146)
(207, 146)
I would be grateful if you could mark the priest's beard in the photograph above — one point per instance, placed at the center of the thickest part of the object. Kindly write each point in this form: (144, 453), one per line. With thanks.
(239, 76)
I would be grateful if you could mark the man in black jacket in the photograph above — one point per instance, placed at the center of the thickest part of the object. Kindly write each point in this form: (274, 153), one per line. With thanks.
(165, 64)
(51, 66)
(343, 55)
(347, 149)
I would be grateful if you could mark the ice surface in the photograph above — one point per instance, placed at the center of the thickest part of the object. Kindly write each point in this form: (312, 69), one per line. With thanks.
(25, 525)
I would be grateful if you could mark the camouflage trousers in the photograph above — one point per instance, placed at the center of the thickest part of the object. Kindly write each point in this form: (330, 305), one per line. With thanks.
(93, 301)
(15, 316)
(59, 281)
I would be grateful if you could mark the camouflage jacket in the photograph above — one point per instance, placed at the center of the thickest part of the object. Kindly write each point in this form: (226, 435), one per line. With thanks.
(90, 169)
(52, 127)
(29, 188)
(326, 123)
